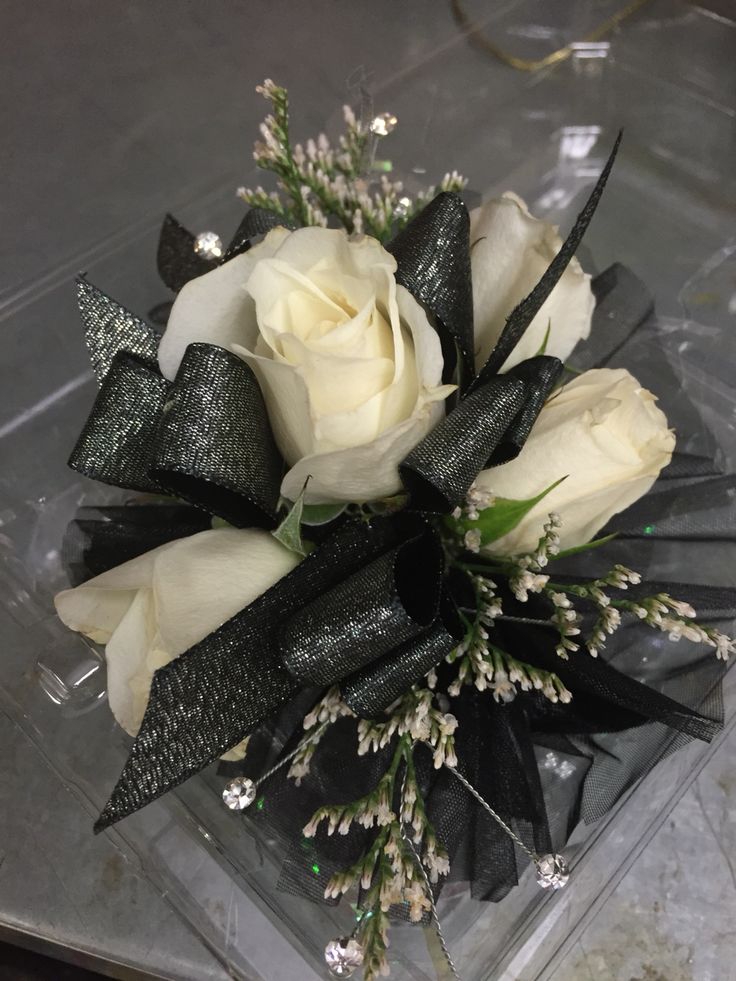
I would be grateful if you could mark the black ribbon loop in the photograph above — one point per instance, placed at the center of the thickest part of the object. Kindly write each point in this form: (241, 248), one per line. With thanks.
(214, 445)
(109, 328)
(386, 603)
(433, 257)
(370, 691)
(117, 442)
(205, 438)
(539, 375)
(440, 470)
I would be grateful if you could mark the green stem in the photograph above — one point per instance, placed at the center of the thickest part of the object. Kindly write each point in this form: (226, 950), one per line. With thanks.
(480, 567)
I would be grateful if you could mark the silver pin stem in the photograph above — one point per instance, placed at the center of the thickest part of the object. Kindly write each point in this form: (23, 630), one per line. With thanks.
(496, 817)
(427, 884)
(240, 792)
(552, 869)
(311, 737)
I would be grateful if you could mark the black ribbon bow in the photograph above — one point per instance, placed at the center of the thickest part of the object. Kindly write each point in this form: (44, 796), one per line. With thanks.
(370, 608)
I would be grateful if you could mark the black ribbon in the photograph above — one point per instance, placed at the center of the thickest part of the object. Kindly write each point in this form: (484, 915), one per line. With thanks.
(214, 445)
(440, 470)
(205, 437)
(178, 261)
(207, 700)
(371, 690)
(433, 257)
(109, 328)
(100, 538)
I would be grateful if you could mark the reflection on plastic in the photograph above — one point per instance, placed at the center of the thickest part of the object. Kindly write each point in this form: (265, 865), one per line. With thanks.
(577, 167)
(588, 58)
(73, 678)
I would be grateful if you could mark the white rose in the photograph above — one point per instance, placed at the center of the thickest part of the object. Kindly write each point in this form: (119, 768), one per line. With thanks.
(606, 433)
(348, 363)
(150, 610)
(510, 251)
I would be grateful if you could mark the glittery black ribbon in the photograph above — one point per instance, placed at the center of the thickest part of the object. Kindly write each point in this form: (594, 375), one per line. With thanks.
(205, 437)
(116, 445)
(207, 700)
(214, 445)
(110, 328)
(439, 471)
(433, 258)
(384, 604)
(370, 691)
(177, 258)
(539, 376)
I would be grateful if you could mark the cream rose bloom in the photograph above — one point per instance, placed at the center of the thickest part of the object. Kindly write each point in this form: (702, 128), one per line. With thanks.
(349, 366)
(510, 251)
(150, 610)
(605, 432)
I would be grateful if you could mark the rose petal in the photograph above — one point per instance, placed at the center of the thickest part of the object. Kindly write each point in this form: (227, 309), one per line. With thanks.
(607, 434)
(129, 671)
(96, 607)
(155, 607)
(510, 251)
(287, 402)
(208, 577)
(361, 473)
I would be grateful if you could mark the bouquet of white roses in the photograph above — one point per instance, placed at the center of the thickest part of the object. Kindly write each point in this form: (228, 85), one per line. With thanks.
(373, 458)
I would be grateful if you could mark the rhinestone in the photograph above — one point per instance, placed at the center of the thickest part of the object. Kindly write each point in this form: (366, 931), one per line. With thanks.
(239, 793)
(552, 872)
(402, 207)
(383, 124)
(343, 957)
(208, 245)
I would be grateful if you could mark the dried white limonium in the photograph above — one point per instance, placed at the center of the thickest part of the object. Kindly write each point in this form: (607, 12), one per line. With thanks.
(318, 182)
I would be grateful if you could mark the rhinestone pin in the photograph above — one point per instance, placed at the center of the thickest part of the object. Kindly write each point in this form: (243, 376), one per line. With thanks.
(343, 957)
(552, 872)
(208, 245)
(383, 124)
(239, 793)
(402, 207)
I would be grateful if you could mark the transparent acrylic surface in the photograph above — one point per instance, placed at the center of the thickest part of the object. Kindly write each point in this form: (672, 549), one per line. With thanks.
(667, 214)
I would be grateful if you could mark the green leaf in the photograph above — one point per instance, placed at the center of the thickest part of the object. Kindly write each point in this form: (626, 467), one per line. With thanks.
(220, 522)
(543, 348)
(321, 514)
(584, 548)
(502, 517)
(289, 532)
(573, 371)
